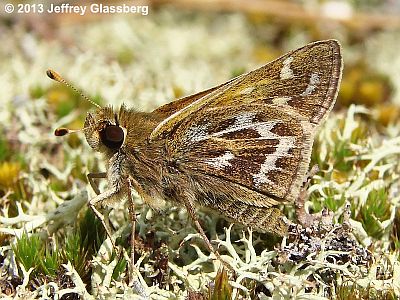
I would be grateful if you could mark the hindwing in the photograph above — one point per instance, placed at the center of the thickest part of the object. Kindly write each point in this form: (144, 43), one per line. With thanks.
(261, 147)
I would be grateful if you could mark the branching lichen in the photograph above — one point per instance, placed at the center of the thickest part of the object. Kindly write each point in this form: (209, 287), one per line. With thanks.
(146, 62)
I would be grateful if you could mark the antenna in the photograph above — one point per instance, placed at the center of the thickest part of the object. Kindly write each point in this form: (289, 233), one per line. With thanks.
(57, 77)
(64, 131)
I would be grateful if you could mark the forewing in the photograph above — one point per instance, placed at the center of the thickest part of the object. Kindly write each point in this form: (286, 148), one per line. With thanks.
(304, 80)
(172, 107)
(261, 147)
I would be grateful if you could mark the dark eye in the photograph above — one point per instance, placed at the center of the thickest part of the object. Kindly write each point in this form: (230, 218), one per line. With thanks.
(112, 136)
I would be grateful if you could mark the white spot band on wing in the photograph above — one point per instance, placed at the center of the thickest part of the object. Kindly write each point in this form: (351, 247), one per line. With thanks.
(286, 71)
(314, 81)
(222, 161)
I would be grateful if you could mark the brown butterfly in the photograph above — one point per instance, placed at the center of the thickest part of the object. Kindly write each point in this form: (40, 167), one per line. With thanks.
(239, 148)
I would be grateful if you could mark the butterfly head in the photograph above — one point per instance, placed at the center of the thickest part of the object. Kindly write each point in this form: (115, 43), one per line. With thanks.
(103, 131)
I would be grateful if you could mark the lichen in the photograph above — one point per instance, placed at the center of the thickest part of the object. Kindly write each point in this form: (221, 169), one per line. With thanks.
(145, 62)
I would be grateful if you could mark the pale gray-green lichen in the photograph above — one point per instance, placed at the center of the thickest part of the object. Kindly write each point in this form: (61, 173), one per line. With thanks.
(166, 56)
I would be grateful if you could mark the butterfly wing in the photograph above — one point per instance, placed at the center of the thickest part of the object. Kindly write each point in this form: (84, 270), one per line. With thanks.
(170, 108)
(257, 131)
(261, 147)
(305, 80)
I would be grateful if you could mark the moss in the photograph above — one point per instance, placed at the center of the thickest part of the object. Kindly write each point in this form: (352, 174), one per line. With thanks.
(376, 210)
(29, 251)
(170, 54)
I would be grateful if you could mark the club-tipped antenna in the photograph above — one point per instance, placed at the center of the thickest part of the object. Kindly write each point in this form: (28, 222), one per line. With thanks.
(64, 131)
(57, 77)
(61, 131)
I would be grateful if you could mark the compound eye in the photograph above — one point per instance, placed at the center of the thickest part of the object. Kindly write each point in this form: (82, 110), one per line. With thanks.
(112, 136)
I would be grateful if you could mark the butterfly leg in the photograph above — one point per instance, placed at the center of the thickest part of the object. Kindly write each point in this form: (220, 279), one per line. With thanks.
(132, 215)
(131, 207)
(92, 204)
(303, 217)
(95, 187)
(190, 208)
(118, 187)
(92, 183)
